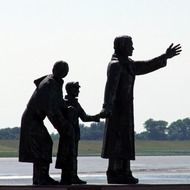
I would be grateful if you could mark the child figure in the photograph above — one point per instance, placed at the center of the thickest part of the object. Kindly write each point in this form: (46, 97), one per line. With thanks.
(68, 148)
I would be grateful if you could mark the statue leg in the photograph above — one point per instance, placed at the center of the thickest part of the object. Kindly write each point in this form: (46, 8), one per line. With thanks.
(75, 178)
(64, 159)
(36, 174)
(128, 173)
(65, 178)
(114, 171)
(44, 178)
(119, 172)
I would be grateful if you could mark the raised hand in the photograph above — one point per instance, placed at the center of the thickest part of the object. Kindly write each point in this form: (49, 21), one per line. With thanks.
(173, 50)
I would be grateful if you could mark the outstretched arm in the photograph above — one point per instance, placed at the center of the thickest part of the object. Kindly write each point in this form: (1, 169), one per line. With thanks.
(144, 67)
(85, 117)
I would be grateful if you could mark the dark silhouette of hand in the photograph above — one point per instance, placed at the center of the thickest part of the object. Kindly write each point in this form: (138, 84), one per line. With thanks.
(173, 50)
(96, 118)
(104, 114)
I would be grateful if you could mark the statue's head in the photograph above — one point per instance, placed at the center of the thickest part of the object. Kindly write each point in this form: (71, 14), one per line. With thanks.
(123, 45)
(72, 88)
(60, 69)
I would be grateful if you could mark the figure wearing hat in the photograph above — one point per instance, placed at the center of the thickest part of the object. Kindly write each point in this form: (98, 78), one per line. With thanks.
(68, 148)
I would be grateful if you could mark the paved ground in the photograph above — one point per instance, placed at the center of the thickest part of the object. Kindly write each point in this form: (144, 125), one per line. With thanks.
(102, 187)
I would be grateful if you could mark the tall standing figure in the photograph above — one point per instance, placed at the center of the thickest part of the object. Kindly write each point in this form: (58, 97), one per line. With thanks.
(35, 141)
(118, 142)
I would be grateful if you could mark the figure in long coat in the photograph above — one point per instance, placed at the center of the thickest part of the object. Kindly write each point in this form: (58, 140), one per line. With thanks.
(118, 142)
(35, 141)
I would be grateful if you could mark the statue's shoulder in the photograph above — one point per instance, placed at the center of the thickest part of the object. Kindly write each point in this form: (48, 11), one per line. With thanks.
(114, 59)
(114, 67)
(130, 60)
(48, 82)
(114, 64)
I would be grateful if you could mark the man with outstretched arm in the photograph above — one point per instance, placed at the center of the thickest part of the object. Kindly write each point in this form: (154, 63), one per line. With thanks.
(119, 136)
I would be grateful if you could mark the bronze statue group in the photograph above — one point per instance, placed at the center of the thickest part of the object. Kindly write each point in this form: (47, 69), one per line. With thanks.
(64, 112)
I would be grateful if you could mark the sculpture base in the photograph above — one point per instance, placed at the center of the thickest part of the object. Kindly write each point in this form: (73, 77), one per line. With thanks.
(102, 187)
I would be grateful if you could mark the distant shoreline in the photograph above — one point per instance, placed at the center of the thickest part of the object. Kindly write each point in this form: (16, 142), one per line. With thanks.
(9, 148)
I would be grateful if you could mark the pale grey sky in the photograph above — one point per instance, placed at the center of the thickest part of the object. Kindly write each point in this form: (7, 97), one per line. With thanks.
(36, 33)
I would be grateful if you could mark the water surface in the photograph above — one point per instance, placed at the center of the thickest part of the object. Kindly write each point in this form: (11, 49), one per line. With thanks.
(149, 170)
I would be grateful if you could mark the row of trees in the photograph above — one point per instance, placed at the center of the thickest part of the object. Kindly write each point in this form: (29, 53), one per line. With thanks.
(154, 130)
(160, 130)
(94, 132)
(10, 133)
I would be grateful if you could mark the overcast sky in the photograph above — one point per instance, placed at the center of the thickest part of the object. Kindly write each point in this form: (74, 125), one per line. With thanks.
(36, 33)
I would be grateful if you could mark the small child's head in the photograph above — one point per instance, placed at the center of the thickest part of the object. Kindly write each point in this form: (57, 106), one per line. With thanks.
(72, 89)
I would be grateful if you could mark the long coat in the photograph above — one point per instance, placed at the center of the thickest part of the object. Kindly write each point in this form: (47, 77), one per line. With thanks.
(118, 139)
(47, 100)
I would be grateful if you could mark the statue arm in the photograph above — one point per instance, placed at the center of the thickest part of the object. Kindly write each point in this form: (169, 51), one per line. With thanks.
(55, 113)
(144, 67)
(85, 117)
(113, 77)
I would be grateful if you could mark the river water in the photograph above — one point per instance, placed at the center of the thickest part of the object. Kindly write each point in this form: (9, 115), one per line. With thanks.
(149, 170)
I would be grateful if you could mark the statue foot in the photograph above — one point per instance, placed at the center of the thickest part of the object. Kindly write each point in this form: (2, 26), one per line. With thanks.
(121, 178)
(65, 178)
(77, 180)
(131, 180)
(48, 181)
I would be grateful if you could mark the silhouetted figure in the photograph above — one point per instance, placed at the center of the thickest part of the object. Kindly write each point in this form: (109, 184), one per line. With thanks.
(35, 141)
(68, 148)
(118, 143)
